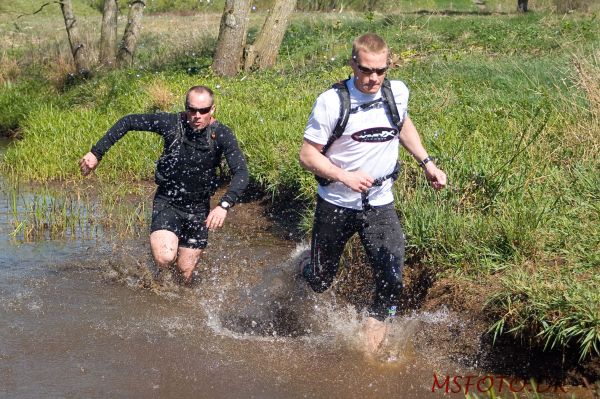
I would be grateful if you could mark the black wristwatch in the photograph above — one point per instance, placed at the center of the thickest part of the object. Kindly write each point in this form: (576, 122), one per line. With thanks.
(425, 161)
(225, 205)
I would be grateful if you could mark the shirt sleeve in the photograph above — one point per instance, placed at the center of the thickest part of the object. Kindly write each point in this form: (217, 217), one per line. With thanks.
(323, 117)
(159, 123)
(401, 95)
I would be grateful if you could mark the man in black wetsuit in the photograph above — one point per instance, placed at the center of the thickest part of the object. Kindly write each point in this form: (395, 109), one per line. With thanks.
(194, 143)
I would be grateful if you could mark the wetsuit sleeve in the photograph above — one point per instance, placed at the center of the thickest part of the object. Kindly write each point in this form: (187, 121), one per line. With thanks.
(237, 165)
(160, 123)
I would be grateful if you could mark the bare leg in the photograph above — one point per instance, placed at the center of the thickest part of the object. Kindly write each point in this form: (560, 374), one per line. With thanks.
(374, 332)
(164, 248)
(187, 262)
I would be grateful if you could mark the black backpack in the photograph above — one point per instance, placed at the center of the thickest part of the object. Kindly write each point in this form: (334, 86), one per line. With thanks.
(341, 89)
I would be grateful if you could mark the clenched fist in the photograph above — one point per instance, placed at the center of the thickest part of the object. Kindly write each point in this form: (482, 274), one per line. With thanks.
(88, 163)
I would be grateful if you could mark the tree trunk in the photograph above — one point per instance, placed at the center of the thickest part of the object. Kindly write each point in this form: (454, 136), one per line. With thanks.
(108, 33)
(78, 49)
(263, 53)
(132, 32)
(232, 37)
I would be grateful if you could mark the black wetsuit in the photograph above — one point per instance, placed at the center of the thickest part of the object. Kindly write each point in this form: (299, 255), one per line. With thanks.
(186, 170)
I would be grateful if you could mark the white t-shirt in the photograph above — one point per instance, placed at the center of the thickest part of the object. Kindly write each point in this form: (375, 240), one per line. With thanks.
(370, 141)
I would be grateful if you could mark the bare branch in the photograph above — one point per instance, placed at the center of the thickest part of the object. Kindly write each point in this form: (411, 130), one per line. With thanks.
(41, 8)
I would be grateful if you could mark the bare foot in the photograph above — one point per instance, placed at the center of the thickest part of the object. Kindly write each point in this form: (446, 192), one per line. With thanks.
(374, 332)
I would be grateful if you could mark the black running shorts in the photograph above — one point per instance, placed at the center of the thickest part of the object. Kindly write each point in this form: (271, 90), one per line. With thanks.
(189, 227)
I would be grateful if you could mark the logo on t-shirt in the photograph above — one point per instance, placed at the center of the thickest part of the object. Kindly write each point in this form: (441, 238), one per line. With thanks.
(375, 135)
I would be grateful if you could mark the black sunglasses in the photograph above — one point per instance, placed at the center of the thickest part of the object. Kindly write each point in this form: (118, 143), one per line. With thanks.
(202, 111)
(369, 71)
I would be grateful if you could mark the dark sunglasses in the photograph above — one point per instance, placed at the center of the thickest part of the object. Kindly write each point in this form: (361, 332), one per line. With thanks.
(202, 111)
(369, 71)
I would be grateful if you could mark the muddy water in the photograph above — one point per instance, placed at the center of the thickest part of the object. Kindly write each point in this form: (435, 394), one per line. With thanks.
(83, 318)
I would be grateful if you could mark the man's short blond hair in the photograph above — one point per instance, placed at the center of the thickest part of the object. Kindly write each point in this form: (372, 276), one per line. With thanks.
(369, 43)
(199, 90)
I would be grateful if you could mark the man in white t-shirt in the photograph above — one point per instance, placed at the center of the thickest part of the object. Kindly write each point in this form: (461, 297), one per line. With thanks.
(359, 166)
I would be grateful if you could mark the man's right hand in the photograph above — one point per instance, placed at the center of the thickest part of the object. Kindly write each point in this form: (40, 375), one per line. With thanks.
(314, 161)
(357, 180)
(88, 163)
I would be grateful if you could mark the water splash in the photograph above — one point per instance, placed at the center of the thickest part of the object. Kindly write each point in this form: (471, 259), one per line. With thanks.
(253, 300)
(281, 306)
(277, 305)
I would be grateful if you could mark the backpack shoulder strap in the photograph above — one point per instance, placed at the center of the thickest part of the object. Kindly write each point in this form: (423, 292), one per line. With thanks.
(342, 91)
(388, 96)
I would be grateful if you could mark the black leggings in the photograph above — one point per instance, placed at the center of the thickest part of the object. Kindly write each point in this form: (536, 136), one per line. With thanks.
(382, 237)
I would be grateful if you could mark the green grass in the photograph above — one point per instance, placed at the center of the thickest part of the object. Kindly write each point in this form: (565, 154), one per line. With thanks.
(16, 9)
(505, 103)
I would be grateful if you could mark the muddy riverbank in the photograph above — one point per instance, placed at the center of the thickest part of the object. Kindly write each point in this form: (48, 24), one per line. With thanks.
(464, 338)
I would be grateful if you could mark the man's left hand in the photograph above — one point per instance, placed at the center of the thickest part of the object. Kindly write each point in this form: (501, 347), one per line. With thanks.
(435, 176)
(215, 218)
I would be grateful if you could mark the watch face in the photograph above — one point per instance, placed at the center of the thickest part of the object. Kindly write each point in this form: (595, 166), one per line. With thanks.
(225, 205)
